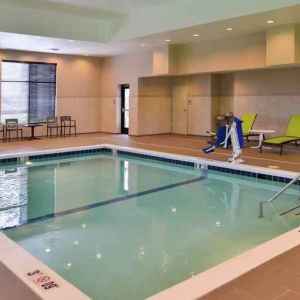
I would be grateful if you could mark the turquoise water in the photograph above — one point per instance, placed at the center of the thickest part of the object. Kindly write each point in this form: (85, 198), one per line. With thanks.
(142, 226)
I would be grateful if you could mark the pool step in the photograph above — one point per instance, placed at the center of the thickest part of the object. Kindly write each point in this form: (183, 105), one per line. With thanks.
(290, 210)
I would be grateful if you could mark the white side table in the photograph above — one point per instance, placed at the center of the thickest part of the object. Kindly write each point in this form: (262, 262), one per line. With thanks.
(261, 133)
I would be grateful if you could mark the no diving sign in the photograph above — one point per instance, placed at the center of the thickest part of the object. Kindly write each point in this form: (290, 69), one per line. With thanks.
(41, 279)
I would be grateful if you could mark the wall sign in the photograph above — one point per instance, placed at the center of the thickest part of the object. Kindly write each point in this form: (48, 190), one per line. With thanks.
(41, 279)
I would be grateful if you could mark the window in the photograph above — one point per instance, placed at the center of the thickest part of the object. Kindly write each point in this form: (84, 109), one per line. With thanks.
(28, 91)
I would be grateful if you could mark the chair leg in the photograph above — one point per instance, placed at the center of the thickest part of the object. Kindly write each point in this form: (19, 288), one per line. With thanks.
(281, 149)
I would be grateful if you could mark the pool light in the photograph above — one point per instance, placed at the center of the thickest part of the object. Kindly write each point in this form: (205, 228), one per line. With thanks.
(68, 265)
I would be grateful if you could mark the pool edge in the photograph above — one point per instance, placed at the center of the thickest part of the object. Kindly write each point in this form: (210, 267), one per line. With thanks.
(15, 265)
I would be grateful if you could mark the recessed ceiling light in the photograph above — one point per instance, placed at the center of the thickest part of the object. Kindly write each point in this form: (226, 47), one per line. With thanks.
(270, 21)
(167, 40)
(195, 35)
(53, 49)
(37, 37)
(71, 41)
(229, 29)
(143, 45)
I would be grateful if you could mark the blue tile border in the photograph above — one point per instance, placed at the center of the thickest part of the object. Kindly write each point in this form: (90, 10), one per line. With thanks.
(5, 161)
(252, 174)
(157, 158)
(68, 153)
(212, 168)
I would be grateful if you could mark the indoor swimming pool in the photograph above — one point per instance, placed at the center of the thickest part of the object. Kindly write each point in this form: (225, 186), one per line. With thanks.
(120, 227)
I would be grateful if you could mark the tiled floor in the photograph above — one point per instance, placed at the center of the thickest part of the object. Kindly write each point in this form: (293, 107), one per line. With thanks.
(186, 145)
(277, 279)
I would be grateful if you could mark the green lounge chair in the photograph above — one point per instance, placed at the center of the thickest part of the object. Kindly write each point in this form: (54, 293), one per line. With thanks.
(292, 134)
(248, 121)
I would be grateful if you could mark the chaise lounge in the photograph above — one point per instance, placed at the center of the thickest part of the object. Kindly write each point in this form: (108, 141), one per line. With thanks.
(292, 135)
(248, 121)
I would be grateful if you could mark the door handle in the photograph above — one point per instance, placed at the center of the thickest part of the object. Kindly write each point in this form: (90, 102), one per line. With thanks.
(123, 109)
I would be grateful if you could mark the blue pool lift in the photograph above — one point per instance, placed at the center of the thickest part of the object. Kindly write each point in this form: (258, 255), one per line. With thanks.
(232, 133)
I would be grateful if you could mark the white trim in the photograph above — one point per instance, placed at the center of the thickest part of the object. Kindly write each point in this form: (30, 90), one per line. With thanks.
(207, 281)
(18, 262)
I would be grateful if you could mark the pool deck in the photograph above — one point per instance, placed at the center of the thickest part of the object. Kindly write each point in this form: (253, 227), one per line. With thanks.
(277, 279)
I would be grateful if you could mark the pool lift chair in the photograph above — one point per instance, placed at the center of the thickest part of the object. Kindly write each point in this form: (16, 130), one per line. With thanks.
(234, 133)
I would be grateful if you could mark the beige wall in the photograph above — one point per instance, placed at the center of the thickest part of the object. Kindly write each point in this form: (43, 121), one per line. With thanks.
(78, 86)
(273, 94)
(281, 45)
(247, 52)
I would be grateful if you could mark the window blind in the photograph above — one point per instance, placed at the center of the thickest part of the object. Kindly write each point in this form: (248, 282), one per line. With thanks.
(28, 91)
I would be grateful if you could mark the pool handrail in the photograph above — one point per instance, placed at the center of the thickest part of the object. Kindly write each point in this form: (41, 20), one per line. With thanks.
(284, 189)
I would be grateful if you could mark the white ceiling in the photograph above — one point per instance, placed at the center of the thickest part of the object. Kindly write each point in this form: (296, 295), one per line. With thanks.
(82, 34)
(118, 6)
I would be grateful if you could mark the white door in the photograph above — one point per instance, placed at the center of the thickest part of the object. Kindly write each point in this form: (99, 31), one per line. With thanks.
(179, 109)
(199, 115)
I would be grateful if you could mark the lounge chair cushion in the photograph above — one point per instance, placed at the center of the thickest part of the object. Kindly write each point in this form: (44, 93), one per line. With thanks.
(294, 126)
(248, 121)
(281, 140)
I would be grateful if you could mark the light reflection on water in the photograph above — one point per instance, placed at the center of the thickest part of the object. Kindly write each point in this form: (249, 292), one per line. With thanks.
(13, 197)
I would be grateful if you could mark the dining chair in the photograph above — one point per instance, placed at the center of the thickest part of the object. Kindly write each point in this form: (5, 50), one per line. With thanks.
(12, 125)
(69, 124)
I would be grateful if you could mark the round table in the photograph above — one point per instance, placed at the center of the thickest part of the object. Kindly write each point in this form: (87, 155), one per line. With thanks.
(261, 133)
(32, 126)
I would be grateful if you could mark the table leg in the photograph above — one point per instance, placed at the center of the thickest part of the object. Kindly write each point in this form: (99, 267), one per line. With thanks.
(260, 140)
(32, 132)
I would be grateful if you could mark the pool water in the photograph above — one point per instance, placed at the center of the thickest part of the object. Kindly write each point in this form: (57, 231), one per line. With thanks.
(120, 228)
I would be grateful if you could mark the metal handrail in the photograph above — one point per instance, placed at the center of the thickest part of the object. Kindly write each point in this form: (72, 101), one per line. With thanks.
(261, 204)
(284, 189)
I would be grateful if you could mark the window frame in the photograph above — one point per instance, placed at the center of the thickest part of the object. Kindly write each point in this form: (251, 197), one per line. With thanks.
(28, 63)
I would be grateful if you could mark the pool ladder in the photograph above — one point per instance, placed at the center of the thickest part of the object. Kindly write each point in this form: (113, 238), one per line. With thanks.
(272, 199)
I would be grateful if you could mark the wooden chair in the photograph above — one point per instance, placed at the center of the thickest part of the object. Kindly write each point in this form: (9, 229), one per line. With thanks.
(12, 125)
(2, 130)
(67, 123)
(52, 123)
